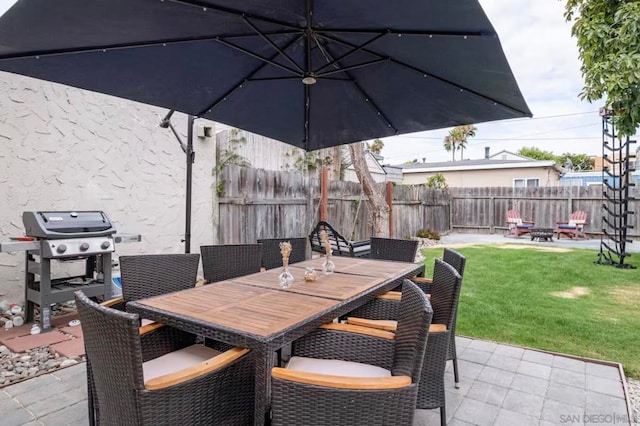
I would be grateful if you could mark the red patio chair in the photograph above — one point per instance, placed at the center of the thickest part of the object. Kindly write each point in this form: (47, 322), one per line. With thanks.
(574, 228)
(517, 226)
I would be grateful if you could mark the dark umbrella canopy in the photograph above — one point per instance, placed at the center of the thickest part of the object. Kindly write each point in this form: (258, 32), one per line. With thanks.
(309, 73)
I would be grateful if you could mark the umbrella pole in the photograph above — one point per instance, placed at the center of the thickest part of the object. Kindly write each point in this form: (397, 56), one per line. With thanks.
(190, 160)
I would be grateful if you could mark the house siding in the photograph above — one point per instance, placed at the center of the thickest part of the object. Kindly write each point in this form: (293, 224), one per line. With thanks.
(486, 178)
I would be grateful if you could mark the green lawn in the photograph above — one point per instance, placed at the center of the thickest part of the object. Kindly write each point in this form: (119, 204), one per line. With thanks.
(507, 296)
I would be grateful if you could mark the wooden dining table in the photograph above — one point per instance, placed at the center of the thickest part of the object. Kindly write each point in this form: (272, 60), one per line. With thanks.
(254, 312)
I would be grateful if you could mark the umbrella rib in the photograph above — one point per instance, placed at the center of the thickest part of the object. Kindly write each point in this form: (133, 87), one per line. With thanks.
(367, 98)
(353, 67)
(207, 6)
(362, 46)
(275, 46)
(409, 32)
(255, 55)
(239, 84)
(307, 89)
(135, 45)
(433, 76)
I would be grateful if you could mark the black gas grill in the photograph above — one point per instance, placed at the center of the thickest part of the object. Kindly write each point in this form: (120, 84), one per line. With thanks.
(65, 236)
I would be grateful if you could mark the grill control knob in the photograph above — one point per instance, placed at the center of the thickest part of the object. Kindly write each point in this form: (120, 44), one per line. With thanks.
(105, 245)
(84, 246)
(61, 248)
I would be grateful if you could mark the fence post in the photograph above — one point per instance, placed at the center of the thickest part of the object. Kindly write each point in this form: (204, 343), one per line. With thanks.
(390, 204)
(324, 188)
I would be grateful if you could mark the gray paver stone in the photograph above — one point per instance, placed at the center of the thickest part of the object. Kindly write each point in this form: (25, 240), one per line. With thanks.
(537, 357)
(28, 385)
(504, 362)
(474, 355)
(560, 412)
(523, 403)
(566, 394)
(604, 371)
(535, 370)
(452, 401)
(462, 342)
(55, 403)
(476, 412)
(530, 384)
(510, 351)
(566, 377)
(7, 405)
(606, 386)
(495, 376)
(75, 372)
(74, 414)
(485, 392)
(483, 345)
(512, 418)
(17, 417)
(456, 422)
(469, 370)
(44, 392)
(597, 403)
(569, 364)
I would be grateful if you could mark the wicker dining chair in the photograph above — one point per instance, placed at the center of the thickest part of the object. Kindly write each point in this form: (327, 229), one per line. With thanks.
(393, 249)
(271, 257)
(345, 375)
(223, 262)
(145, 276)
(444, 300)
(192, 385)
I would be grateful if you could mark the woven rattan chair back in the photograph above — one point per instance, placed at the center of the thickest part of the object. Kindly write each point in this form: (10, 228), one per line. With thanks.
(455, 259)
(445, 293)
(112, 343)
(155, 274)
(412, 331)
(393, 249)
(271, 257)
(223, 262)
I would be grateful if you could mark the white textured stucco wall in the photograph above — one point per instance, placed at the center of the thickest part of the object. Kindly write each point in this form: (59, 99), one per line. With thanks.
(63, 148)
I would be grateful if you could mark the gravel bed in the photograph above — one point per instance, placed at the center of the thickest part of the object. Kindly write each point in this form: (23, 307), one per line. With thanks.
(424, 243)
(633, 385)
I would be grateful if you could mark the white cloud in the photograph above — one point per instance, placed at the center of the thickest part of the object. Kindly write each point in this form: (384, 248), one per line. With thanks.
(544, 59)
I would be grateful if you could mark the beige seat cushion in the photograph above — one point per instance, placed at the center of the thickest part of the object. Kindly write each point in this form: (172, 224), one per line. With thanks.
(145, 321)
(336, 367)
(176, 361)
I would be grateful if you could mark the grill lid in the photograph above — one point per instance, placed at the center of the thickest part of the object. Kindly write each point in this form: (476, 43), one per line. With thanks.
(70, 224)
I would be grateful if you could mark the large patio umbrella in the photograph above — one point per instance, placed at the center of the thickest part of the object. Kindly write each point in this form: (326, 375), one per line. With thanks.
(309, 73)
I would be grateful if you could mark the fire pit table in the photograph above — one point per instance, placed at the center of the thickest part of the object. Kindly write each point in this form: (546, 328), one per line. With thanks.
(541, 234)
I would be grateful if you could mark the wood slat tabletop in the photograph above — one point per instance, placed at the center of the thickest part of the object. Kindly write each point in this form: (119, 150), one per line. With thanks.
(246, 308)
(331, 286)
(358, 266)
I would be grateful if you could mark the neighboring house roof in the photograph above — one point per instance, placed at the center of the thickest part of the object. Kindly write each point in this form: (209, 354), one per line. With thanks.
(483, 164)
(508, 155)
(372, 163)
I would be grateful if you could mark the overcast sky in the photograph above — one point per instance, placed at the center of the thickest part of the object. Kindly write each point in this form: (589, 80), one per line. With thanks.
(544, 59)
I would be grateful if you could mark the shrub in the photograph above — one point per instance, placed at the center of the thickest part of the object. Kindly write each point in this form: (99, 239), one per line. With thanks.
(428, 233)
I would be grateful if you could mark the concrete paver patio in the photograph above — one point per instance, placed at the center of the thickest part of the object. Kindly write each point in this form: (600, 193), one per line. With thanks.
(499, 385)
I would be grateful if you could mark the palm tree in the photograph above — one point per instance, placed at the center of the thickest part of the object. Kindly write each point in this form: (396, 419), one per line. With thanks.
(457, 139)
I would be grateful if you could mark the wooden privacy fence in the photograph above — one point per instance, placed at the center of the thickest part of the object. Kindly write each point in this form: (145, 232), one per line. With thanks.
(258, 204)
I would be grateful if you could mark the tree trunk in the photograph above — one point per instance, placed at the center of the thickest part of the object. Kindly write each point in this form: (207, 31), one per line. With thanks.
(377, 204)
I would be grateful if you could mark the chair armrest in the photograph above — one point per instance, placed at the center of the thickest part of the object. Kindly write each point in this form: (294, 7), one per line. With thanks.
(350, 328)
(342, 382)
(149, 328)
(112, 302)
(528, 222)
(391, 295)
(194, 371)
(421, 280)
(387, 325)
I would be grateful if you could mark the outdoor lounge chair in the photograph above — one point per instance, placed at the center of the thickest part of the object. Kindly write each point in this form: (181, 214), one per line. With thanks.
(444, 299)
(340, 246)
(574, 228)
(516, 226)
(357, 376)
(223, 262)
(168, 380)
(271, 256)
